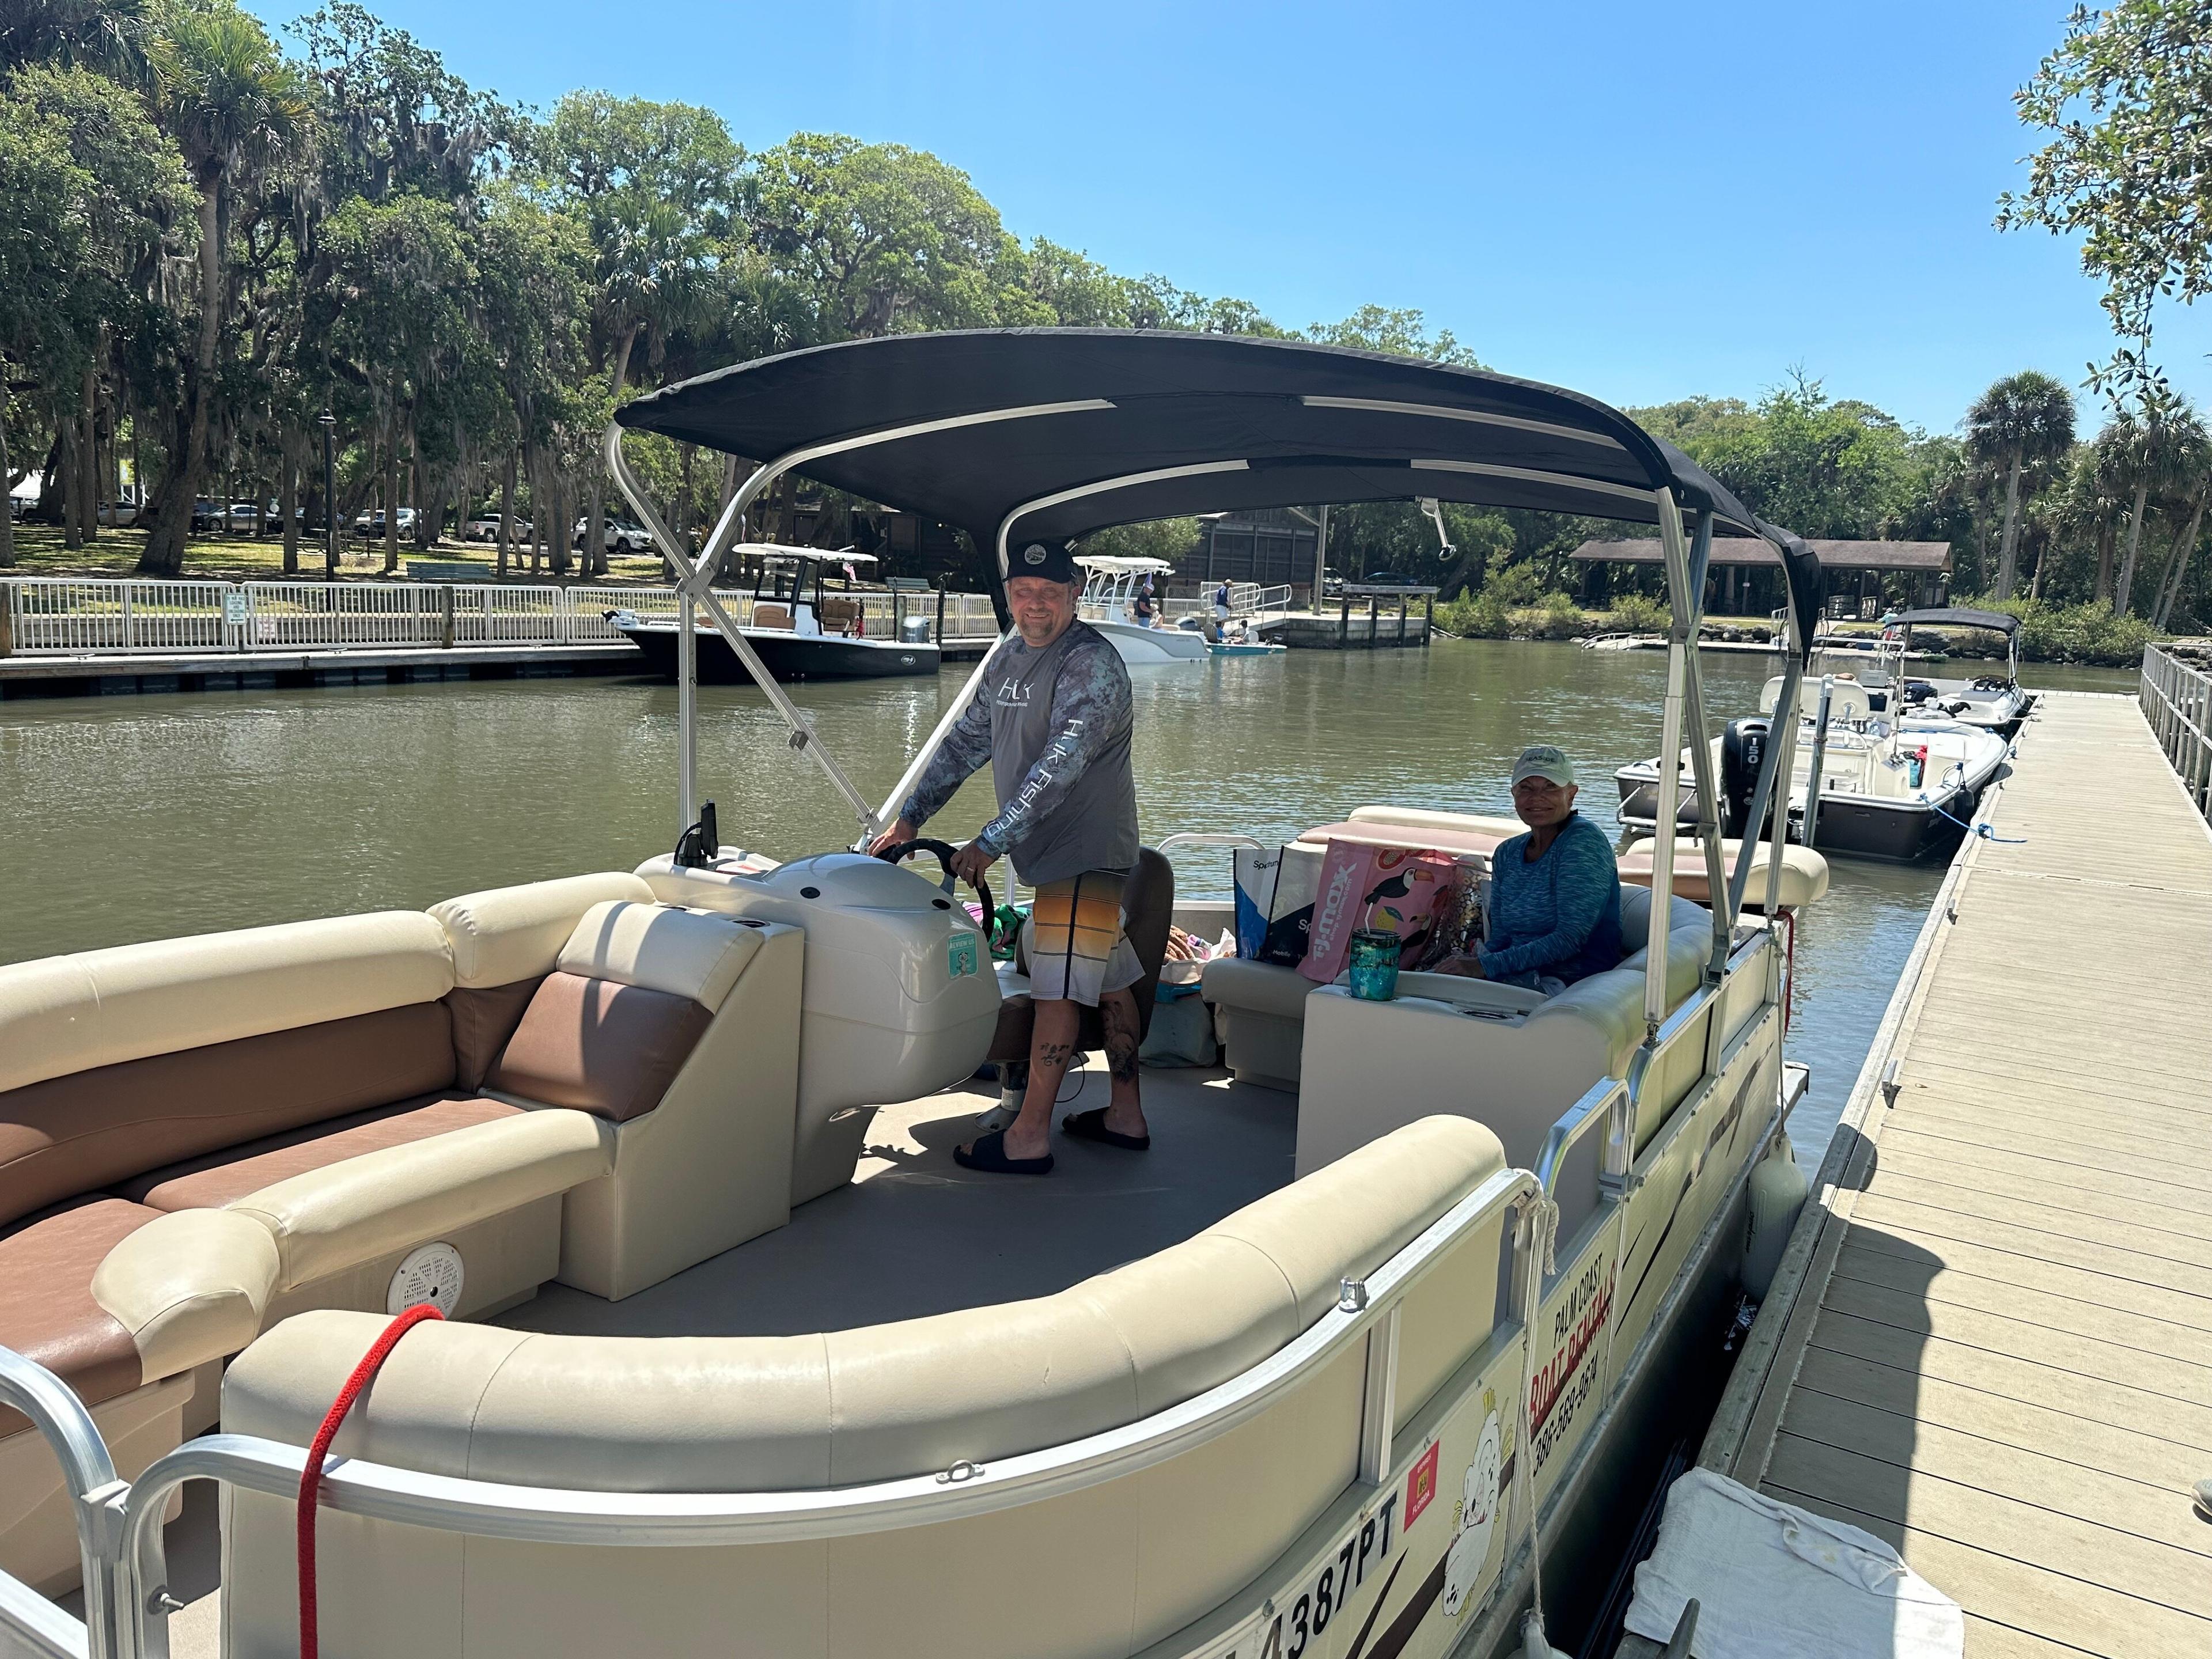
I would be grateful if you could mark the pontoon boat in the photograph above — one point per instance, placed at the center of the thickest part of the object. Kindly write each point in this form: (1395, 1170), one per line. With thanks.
(799, 629)
(735, 1359)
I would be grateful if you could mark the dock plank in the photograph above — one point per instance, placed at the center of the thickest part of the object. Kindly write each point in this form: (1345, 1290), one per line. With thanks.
(2162, 1514)
(2027, 1532)
(2100, 1320)
(2017, 1377)
(1993, 1332)
(2059, 1278)
(2001, 1359)
(2077, 1612)
(2176, 1237)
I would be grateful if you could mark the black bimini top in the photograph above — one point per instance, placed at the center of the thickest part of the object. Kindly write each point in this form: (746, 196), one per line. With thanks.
(1050, 433)
(1996, 621)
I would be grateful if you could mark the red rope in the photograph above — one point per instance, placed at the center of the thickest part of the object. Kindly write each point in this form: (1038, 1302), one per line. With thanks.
(311, 1480)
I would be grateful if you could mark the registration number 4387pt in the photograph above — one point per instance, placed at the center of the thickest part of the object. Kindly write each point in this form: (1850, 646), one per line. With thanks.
(1296, 1622)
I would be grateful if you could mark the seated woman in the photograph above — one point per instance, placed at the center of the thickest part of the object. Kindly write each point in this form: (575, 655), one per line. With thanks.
(1554, 892)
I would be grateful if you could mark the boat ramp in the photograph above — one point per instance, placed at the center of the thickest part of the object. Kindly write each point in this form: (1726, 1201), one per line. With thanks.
(1990, 1340)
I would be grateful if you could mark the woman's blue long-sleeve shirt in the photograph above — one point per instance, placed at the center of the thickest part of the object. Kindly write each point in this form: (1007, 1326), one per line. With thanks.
(1558, 918)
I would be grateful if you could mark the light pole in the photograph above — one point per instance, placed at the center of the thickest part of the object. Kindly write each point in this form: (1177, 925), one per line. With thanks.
(329, 423)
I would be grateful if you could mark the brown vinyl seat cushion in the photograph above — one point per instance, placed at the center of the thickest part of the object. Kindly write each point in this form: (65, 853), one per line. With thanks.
(88, 1130)
(215, 1180)
(47, 1313)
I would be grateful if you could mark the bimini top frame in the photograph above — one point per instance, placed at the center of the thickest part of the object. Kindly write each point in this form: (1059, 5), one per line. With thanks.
(1051, 433)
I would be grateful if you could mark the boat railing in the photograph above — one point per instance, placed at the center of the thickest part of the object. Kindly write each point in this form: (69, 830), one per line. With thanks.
(70, 616)
(129, 1601)
(2177, 701)
(1589, 1158)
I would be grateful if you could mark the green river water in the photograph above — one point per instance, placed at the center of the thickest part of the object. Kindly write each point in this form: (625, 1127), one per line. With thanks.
(137, 818)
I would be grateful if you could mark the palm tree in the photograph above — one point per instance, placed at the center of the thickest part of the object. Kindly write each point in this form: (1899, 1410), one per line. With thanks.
(2157, 458)
(2193, 463)
(238, 110)
(2023, 423)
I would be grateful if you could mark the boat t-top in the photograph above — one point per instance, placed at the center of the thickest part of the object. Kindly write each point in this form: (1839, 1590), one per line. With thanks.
(1901, 776)
(732, 1358)
(1992, 703)
(1108, 604)
(797, 628)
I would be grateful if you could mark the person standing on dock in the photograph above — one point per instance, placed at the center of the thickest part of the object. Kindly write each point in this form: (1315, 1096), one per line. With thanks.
(1053, 717)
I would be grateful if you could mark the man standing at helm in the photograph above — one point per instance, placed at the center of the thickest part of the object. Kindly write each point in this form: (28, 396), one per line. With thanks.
(1052, 716)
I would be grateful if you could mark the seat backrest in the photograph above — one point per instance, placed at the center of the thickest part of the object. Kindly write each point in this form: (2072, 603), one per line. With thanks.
(632, 990)
(771, 615)
(878, 1402)
(116, 1062)
(1148, 903)
(505, 941)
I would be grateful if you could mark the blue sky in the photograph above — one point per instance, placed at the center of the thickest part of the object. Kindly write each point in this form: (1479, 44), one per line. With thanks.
(1526, 175)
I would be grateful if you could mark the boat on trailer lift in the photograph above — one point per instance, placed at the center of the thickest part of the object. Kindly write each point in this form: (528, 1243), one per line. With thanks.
(799, 630)
(786, 1391)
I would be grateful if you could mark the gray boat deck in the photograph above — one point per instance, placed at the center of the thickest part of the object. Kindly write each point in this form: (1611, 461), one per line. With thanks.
(1997, 1348)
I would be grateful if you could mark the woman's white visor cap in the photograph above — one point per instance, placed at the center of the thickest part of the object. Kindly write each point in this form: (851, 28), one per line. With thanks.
(1547, 762)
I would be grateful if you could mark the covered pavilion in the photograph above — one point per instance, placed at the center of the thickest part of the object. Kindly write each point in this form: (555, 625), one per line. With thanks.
(1855, 572)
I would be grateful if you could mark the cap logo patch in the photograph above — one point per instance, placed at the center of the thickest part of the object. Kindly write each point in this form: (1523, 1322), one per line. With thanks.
(1034, 554)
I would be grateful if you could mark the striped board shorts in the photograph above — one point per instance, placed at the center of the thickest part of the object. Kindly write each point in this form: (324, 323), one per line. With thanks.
(1078, 950)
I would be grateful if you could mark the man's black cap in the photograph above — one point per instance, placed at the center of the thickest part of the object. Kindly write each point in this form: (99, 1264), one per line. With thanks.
(1042, 559)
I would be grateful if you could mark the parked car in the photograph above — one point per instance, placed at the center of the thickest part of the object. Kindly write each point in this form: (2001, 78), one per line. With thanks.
(371, 524)
(486, 529)
(118, 513)
(243, 518)
(207, 517)
(620, 535)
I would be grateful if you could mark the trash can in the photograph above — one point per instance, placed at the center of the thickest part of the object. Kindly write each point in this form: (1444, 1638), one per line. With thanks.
(914, 630)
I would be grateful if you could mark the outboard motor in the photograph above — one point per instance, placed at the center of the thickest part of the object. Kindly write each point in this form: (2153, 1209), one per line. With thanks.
(1743, 749)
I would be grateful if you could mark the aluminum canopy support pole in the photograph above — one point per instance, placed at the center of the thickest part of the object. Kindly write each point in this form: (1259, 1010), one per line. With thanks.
(687, 712)
(1785, 769)
(1718, 898)
(888, 812)
(1670, 762)
(1820, 759)
(695, 586)
(1775, 764)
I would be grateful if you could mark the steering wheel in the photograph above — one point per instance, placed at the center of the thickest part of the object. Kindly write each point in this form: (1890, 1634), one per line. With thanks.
(943, 852)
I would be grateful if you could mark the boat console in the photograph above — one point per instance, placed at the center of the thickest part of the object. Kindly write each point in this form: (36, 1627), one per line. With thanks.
(899, 997)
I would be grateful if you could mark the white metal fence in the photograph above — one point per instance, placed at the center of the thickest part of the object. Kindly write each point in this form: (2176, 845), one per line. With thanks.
(68, 616)
(2177, 700)
(1245, 600)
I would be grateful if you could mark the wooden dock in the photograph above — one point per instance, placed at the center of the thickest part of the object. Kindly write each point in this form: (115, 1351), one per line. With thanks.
(1991, 1342)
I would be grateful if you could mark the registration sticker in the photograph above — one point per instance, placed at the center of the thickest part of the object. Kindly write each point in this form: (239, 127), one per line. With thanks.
(960, 956)
(1421, 1483)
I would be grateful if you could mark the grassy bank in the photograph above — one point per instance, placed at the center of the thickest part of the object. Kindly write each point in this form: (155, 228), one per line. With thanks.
(40, 552)
(2088, 635)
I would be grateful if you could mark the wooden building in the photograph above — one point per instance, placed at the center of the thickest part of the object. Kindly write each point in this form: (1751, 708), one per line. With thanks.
(1745, 576)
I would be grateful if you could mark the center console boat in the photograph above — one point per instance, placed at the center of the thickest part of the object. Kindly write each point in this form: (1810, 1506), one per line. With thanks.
(733, 1358)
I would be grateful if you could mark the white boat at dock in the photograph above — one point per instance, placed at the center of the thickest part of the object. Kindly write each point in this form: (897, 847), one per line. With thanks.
(733, 1358)
(1108, 604)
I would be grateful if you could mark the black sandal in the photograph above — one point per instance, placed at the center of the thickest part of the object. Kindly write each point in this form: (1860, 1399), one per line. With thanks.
(1092, 1125)
(988, 1153)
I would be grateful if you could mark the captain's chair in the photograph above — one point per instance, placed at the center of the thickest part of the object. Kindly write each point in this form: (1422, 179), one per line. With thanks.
(1147, 903)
